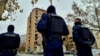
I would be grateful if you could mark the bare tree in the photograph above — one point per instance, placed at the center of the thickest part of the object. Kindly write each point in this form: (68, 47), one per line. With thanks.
(11, 6)
(89, 11)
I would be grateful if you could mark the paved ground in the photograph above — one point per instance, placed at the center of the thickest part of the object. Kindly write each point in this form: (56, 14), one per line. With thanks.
(35, 55)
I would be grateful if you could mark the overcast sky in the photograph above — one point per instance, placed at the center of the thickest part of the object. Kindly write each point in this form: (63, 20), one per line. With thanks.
(63, 7)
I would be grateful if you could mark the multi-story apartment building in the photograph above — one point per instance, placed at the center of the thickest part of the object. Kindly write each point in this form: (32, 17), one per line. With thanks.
(97, 42)
(69, 45)
(33, 37)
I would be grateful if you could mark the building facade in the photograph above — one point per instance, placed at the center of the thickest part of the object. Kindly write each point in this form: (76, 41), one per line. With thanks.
(33, 37)
(69, 44)
(97, 37)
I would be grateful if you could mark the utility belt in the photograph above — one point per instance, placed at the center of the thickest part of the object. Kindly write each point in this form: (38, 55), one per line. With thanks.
(54, 36)
(9, 50)
(51, 39)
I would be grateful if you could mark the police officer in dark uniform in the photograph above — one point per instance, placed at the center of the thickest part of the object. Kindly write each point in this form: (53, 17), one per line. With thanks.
(83, 46)
(9, 42)
(52, 41)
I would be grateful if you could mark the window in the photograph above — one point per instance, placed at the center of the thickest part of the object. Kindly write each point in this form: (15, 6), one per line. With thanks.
(36, 17)
(29, 34)
(70, 37)
(29, 41)
(71, 44)
(35, 23)
(29, 26)
(30, 20)
(36, 30)
(36, 12)
(36, 36)
(71, 41)
(35, 42)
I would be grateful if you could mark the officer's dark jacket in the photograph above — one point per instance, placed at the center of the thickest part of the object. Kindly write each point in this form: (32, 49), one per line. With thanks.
(42, 24)
(42, 27)
(9, 34)
(77, 37)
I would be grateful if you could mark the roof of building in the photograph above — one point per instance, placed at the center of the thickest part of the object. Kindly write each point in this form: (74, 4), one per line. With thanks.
(39, 9)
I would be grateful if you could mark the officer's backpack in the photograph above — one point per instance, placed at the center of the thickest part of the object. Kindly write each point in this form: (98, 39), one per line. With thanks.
(86, 33)
(55, 23)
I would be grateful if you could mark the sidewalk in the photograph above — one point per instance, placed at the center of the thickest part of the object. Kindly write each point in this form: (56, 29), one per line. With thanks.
(35, 55)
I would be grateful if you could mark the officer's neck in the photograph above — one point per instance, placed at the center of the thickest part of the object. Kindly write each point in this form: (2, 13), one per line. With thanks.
(10, 31)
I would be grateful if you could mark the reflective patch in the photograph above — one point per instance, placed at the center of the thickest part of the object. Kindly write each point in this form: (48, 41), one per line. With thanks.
(10, 35)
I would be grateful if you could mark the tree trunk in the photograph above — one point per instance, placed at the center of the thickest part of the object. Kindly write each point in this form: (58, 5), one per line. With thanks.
(2, 7)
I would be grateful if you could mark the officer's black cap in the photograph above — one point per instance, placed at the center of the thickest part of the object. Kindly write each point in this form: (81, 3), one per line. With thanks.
(51, 9)
(11, 28)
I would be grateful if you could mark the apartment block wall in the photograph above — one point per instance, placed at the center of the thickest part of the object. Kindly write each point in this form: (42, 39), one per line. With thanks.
(34, 38)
